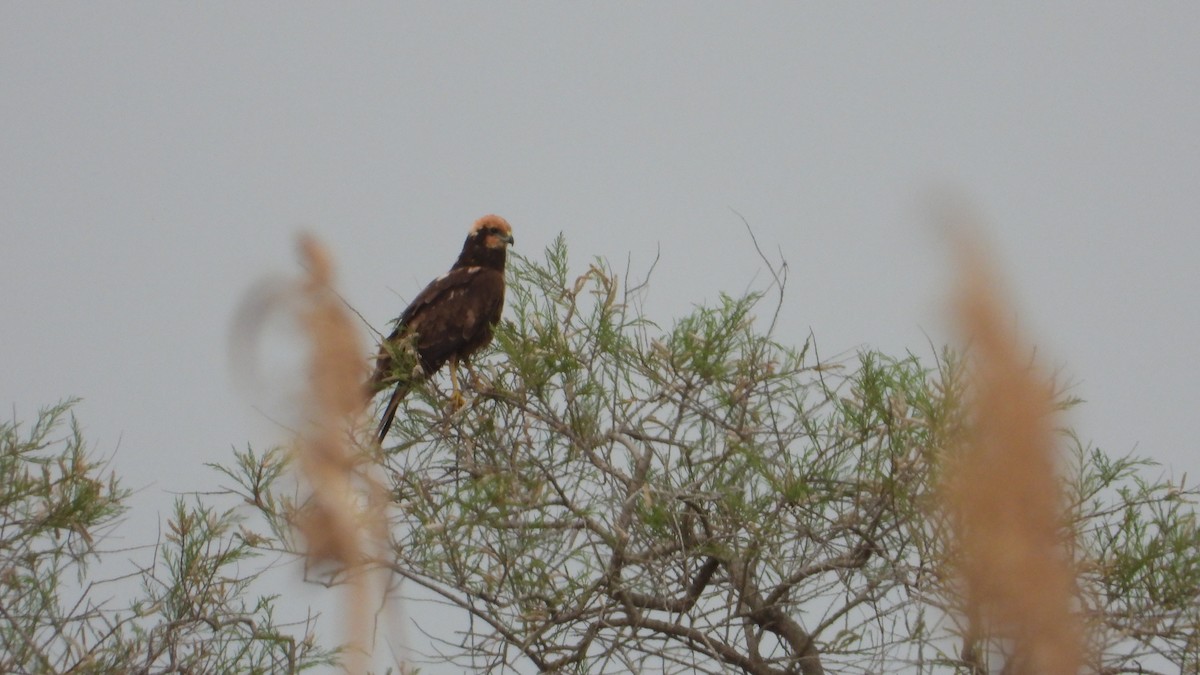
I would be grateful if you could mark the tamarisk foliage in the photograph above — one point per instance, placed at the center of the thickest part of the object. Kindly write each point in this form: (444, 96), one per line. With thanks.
(621, 496)
(189, 610)
(625, 497)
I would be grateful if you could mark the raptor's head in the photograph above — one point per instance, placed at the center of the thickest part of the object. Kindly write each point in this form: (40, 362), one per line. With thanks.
(492, 232)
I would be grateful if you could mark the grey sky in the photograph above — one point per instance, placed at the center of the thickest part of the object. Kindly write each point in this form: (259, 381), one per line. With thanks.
(157, 158)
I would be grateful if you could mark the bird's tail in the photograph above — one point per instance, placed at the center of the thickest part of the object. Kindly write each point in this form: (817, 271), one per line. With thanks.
(389, 415)
(386, 374)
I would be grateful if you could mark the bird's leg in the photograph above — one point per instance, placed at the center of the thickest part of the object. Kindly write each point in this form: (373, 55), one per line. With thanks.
(476, 382)
(456, 398)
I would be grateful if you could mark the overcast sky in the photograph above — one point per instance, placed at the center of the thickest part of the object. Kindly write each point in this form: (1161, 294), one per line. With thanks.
(156, 159)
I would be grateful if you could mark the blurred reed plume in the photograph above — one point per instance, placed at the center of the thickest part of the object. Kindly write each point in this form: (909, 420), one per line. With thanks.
(344, 517)
(341, 517)
(1005, 499)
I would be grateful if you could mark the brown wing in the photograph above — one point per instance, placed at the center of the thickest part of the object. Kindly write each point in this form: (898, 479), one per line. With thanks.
(453, 316)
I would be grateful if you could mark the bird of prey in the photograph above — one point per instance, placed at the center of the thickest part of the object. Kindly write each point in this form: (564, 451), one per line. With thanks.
(449, 320)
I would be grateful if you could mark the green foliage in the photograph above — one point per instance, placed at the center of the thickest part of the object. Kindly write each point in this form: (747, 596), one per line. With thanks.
(611, 474)
(206, 618)
(195, 611)
(621, 497)
(53, 507)
(1141, 559)
(618, 496)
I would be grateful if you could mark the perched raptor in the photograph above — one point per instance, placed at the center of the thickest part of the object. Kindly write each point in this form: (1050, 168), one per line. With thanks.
(449, 320)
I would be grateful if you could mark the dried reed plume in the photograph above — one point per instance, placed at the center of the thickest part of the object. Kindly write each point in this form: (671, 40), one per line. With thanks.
(342, 520)
(1004, 496)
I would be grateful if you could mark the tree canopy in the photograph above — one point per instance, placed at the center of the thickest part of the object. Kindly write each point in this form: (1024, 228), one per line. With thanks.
(621, 495)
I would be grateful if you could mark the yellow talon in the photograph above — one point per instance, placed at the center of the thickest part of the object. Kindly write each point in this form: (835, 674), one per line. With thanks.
(457, 400)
